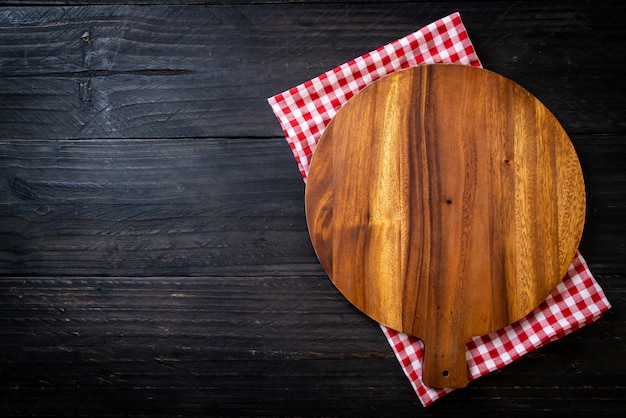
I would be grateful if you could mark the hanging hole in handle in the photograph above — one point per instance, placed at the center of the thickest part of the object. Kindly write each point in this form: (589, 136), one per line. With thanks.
(445, 373)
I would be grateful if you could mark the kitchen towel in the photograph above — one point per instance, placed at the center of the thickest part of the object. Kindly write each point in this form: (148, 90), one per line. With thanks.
(306, 110)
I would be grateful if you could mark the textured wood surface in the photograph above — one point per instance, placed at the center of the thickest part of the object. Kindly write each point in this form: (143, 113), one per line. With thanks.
(193, 71)
(154, 255)
(445, 202)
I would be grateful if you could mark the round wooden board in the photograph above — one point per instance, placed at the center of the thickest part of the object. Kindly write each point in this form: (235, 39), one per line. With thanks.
(445, 201)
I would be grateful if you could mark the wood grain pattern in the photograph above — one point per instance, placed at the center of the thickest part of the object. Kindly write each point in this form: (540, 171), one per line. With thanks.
(450, 203)
(171, 206)
(154, 256)
(181, 71)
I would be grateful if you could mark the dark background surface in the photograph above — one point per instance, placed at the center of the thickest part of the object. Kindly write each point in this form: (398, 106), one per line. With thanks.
(154, 257)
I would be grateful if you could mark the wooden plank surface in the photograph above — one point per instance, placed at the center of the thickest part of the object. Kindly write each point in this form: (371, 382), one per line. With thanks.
(257, 346)
(180, 71)
(154, 258)
(104, 206)
(157, 207)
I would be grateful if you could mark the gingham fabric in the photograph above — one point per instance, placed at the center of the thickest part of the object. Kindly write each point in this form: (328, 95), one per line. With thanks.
(304, 112)
(575, 302)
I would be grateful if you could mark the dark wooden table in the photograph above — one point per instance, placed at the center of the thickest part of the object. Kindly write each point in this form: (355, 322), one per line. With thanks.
(154, 257)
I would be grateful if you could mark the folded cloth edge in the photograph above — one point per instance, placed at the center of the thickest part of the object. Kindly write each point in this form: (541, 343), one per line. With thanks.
(500, 348)
(303, 121)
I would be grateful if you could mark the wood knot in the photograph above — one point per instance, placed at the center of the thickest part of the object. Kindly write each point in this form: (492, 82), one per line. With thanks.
(86, 37)
(21, 188)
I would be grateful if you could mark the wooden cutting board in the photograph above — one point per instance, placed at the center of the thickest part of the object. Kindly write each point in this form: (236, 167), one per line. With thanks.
(445, 202)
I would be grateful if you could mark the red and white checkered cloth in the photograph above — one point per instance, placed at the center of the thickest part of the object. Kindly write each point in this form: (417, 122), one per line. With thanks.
(304, 112)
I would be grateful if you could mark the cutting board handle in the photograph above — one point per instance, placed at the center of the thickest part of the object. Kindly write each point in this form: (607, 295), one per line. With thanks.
(445, 365)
